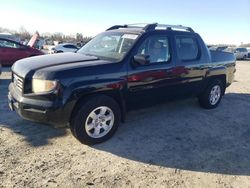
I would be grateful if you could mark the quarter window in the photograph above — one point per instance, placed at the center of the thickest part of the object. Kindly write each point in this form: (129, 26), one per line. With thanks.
(187, 48)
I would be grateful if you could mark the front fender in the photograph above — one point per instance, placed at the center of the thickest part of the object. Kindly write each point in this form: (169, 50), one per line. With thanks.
(81, 90)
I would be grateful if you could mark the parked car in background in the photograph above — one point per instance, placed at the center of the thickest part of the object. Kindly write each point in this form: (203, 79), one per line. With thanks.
(11, 51)
(241, 53)
(218, 48)
(64, 47)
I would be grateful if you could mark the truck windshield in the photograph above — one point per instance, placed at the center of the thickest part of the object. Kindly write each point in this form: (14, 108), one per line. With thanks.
(108, 45)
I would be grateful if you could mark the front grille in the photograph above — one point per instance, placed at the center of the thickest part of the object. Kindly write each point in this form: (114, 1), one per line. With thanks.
(18, 82)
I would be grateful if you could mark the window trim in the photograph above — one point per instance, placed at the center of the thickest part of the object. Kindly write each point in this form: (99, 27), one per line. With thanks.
(198, 57)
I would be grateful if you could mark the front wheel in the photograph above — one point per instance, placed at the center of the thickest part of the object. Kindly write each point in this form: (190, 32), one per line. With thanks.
(211, 97)
(96, 120)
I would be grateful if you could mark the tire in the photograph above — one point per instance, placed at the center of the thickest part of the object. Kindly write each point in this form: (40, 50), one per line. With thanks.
(208, 100)
(99, 114)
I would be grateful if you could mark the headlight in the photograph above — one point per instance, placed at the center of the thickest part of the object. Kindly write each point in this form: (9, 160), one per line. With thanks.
(42, 86)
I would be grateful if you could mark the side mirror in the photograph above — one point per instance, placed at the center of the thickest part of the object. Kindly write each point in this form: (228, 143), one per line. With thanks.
(142, 59)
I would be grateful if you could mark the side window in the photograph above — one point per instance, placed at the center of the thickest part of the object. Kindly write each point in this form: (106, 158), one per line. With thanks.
(157, 47)
(8, 44)
(187, 48)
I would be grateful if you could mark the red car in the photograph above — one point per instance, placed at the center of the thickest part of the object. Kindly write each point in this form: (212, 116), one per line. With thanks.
(11, 51)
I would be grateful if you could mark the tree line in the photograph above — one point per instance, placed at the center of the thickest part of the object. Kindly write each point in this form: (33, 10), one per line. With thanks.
(25, 35)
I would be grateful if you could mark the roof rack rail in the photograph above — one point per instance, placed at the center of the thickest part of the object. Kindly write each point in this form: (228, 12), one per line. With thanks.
(135, 25)
(171, 27)
(117, 27)
(153, 26)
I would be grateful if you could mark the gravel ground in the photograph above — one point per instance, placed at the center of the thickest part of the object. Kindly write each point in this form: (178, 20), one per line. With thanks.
(176, 144)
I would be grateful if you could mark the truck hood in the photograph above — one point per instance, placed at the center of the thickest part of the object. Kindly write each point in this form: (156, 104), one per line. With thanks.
(32, 64)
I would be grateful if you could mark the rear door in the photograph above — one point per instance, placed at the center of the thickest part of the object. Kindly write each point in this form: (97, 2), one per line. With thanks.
(192, 61)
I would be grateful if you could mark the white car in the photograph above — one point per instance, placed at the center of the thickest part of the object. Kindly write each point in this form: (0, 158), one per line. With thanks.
(241, 53)
(64, 47)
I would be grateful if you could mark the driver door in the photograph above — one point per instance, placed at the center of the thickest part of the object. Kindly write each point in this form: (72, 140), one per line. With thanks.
(152, 82)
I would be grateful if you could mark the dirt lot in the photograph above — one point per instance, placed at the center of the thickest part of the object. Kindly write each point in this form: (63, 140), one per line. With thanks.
(177, 144)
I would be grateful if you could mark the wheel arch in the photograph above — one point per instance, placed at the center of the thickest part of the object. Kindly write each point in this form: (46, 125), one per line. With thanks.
(115, 95)
(219, 73)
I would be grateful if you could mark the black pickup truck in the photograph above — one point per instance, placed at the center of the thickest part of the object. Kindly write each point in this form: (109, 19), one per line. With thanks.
(119, 69)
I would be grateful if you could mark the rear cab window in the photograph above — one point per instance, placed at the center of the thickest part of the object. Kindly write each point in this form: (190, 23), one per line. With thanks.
(187, 48)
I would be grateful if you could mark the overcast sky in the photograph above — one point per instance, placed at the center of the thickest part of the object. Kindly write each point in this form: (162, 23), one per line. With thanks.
(217, 21)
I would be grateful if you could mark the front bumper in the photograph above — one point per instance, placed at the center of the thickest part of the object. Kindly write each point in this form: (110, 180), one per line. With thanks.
(48, 112)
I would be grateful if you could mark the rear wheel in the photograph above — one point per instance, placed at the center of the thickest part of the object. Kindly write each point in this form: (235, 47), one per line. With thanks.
(96, 120)
(211, 97)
